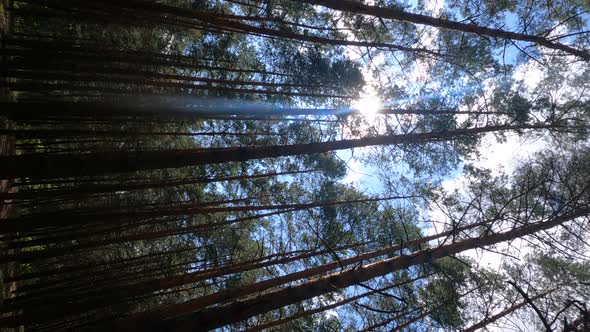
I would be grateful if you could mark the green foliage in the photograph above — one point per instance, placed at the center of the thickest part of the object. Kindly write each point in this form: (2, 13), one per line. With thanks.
(232, 226)
(326, 163)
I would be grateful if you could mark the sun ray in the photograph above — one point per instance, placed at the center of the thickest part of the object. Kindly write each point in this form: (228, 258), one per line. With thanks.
(368, 106)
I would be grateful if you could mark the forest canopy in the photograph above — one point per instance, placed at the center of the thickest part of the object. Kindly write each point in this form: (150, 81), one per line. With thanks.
(295, 165)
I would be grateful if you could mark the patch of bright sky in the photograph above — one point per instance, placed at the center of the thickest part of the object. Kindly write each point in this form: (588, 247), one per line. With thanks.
(370, 102)
(360, 174)
(429, 36)
(496, 156)
(493, 155)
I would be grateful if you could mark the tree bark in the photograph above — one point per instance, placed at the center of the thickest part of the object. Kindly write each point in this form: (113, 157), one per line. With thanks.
(238, 310)
(45, 166)
(167, 13)
(80, 217)
(503, 313)
(87, 190)
(358, 7)
(306, 313)
(96, 297)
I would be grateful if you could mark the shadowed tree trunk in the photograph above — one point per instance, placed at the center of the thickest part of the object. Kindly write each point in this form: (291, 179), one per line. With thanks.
(307, 313)
(48, 166)
(169, 15)
(66, 218)
(106, 188)
(400, 15)
(487, 321)
(239, 310)
(97, 297)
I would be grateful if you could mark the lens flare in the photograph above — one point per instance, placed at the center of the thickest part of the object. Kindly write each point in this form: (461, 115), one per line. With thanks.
(368, 106)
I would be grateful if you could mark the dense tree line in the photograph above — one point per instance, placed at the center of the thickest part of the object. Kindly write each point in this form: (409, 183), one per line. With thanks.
(178, 165)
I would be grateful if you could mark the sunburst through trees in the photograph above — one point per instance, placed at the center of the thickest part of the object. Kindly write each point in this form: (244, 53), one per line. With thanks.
(309, 165)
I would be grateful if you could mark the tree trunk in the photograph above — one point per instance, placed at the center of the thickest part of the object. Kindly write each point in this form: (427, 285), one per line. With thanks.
(239, 310)
(307, 313)
(503, 313)
(82, 217)
(163, 13)
(44, 166)
(357, 7)
(87, 190)
(113, 294)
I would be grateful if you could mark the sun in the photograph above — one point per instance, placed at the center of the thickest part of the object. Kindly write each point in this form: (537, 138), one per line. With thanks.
(368, 106)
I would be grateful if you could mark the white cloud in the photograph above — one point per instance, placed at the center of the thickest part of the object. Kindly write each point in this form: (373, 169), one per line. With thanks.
(428, 36)
(497, 157)
(506, 155)
(434, 7)
(355, 171)
(530, 74)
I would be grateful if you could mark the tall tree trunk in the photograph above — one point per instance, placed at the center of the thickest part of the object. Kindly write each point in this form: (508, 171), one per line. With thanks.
(155, 89)
(98, 297)
(238, 310)
(91, 189)
(82, 217)
(127, 262)
(357, 7)
(135, 109)
(33, 58)
(164, 13)
(36, 166)
(236, 293)
(307, 313)
(60, 133)
(29, 256)
(142, 79)
(487, 321)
